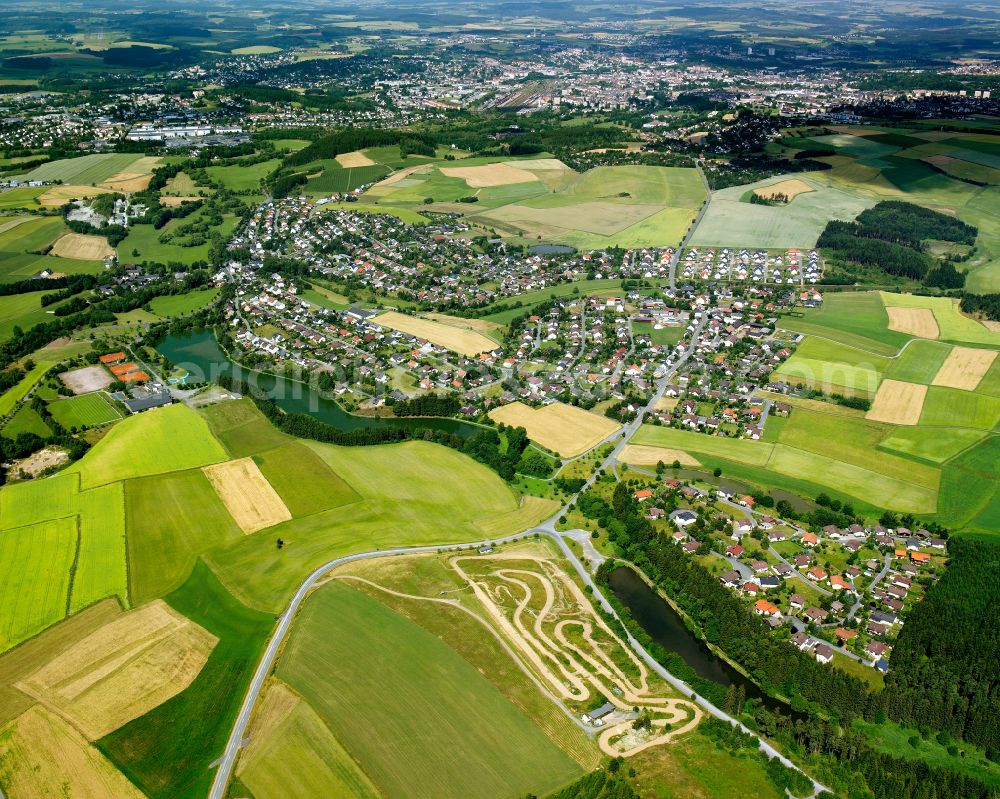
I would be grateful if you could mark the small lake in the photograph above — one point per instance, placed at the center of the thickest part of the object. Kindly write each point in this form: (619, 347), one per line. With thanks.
(200, 354)
(665, 626)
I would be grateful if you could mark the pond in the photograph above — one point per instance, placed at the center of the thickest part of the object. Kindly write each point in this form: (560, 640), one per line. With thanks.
(665, 626)
(199, 353)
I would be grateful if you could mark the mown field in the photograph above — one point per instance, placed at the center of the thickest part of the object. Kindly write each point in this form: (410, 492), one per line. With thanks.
(447, 732)
(87, 410)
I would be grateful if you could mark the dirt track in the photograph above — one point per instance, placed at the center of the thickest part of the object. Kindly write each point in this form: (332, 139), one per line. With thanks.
(569, 647)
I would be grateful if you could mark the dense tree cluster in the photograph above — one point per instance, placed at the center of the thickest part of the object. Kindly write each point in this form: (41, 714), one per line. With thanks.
(427, 405)
(600, 784)
(987, 305)
(946, 661)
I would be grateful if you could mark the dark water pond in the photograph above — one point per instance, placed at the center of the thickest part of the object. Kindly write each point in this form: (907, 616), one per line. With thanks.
(666, 627)
(200, 354)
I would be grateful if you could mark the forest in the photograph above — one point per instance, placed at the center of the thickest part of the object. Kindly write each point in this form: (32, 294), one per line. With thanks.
(946, 662)
(987, 305)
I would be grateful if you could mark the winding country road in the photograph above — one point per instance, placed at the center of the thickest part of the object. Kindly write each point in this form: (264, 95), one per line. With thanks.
(237, 736)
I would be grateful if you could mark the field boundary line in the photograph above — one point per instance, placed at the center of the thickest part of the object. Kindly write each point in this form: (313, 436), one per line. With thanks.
(73, 567)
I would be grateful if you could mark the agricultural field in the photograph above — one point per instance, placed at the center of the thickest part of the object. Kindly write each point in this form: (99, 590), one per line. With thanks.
(954, 326)
(82, 248)
(560, 428)
(541, 198)
(183, 304)
(457, 339)
(21, 248)
(833, 367)
(162, 440)
(92, 169)
(248, 496)
(481, 745)
(87, 410)
(26, 420)
(857, 319)
(897, 402)
(339, 178)
(241, 178)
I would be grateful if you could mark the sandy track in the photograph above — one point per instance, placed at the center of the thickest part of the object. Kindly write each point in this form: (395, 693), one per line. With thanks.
(559, 642)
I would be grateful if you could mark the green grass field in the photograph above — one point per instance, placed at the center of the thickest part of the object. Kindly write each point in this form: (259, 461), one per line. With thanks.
(952, 407)
(338, 179)
(87, 410)
(303, 480)
(146, 241)
(303, 758)
(410, 493)
(325, 298)
(26, 420)
(930, 444)
(101, 567)
(240, 178)
(171, 519)
(183, 304)
(447, 731)
(12, 396)
(84, 170)
(914, 490)
(857, 319)
(167, 751)
(242, 429)
(833, 367)
(21, 198)
(731, 222)
(919, 362)
(35, 565)
(161, 440)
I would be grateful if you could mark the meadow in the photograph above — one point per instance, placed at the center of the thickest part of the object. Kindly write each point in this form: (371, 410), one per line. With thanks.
(731, 221)
(183, 304)
(857, 319)
(26, 420)
(163, 440)
(239, 177)
(448, 732)
(833, 367)
(143, 242)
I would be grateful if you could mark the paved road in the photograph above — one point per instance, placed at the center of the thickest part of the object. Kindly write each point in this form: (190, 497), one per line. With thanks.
(675, 258)
(237, 735)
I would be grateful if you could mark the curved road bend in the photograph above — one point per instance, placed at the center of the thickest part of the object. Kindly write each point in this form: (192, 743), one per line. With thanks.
(236, 737)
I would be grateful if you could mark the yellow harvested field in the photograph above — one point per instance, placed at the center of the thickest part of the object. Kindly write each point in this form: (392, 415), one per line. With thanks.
(43, 757)
(790, 188)
(357, 158)
(667, 403)
(82, 248)
(964, 368)
(250, 499)
(395, 177)
(481, 177)
(897, 402)
(913, 321)
(127, 181)
(561, 428)
(643, 455)
(456, 339)
(122, 670)
(60, 195)
(483, 326)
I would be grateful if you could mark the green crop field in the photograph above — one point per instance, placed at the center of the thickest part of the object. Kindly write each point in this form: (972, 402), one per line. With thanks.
(167, 752)
(952, 407)
(930, 444)
(182, 304)
(21, 198)
(833, 367)
(731, 222)
(161, 440)
(239, 178)
(303, 758)
(12, 396)
(35, 567)
(87, 410)
(171, 519)
(100, 570)
(84, 170)
(919, 362)
(26, 420)
(336, 178)
(303, 480)
(446, 732)
(412, 493)
(914, 489)
(857, 319)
